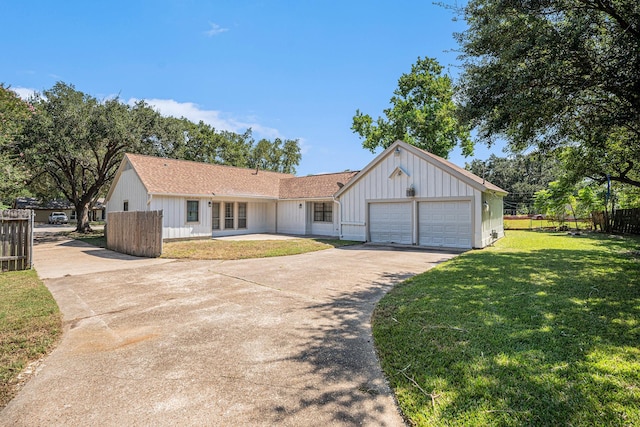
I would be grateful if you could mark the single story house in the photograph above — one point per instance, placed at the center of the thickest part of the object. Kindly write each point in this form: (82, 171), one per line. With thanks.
(42, 209)
(405, 196)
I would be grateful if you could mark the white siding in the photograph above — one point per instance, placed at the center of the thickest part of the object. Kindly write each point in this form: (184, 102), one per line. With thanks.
(128, 188)
(428, 179)
(324, 228)
(492, 219)
(292, 217)
(174, 217)
(260, 217)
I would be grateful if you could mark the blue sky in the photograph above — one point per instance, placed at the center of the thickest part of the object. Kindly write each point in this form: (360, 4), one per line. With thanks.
(289, 69)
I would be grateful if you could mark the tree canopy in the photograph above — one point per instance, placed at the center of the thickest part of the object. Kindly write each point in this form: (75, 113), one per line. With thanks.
(14, 112)
(520, 174)
(69, 143)
(73, 144)
(422, 113)
(557, 73)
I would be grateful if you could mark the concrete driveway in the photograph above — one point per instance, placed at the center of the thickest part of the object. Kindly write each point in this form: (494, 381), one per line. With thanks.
(275, 341)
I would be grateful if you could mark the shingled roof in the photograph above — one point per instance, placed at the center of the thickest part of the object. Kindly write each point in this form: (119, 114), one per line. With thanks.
(314, 186)
(181, 177)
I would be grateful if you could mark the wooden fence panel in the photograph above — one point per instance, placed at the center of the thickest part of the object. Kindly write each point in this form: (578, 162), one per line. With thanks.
(136, 233)
(626, 221)
(16, 239)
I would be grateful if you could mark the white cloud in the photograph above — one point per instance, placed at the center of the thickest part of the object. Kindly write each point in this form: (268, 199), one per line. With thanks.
(215, 29)
(24, 92)
(218, 119)
(304, 146)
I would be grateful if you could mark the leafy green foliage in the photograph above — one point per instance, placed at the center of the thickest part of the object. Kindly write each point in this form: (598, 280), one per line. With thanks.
(75, 143)
(557, 200)
(72, 144)
(588, 201)
(202, 143)
(557, 73)
(521, 175)
(14, 112)
(541, 329)
(278, 156)
(422, 114)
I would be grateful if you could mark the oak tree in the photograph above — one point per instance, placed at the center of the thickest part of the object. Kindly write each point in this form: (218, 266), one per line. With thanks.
(76, 142)
(556, 73)
(422, 113)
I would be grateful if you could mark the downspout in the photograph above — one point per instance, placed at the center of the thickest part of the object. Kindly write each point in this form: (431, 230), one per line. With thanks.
(339, 217)
(149, 197)
(276, 217)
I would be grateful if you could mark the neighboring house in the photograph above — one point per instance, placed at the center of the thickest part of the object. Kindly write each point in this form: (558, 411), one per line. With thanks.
(405, 196)
(43, 209)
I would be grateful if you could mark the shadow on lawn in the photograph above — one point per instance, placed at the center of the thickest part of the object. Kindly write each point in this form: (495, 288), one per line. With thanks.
(548, 337)
(340, 349)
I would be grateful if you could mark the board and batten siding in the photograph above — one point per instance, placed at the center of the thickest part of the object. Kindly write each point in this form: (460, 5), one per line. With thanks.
(492, 219)
(389, 180)
(174, 219)
(292, 216)
(260, 217)
(128, 188)
(296, 217)
(323, 228)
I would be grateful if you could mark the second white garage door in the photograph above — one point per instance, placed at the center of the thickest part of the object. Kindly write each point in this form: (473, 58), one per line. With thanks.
(390, 223)
(445, 224)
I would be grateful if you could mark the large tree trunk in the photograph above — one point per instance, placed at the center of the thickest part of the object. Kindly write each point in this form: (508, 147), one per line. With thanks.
(82, 213)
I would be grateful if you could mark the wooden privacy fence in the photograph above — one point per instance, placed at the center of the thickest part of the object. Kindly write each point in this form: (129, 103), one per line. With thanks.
(623, 221)
(626, 221)
(135, 233)
(16, 239)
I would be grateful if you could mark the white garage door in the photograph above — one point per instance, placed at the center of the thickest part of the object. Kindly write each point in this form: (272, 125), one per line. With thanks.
(390, 223)
(446, 224)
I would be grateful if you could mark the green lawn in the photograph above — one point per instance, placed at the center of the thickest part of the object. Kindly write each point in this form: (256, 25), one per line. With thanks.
(533, 224)
(95, 238)
(541, 330)
(243, 249)
(30, 324)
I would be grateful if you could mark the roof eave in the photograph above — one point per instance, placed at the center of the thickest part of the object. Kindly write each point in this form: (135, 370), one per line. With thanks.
(214, 195)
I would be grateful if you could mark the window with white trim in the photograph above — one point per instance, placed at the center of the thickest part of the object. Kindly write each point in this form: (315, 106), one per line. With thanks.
(323, 212)
(193, 209)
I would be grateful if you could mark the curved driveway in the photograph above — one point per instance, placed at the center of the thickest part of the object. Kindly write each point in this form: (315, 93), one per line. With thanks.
(274, 341)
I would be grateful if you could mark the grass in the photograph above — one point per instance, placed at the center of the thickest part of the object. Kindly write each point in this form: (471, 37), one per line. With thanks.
(30, 324)
(542, 329)
(532, 224)
(95, 238)
(243, 249)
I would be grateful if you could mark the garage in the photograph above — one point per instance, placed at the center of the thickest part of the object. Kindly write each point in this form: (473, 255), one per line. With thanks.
(445, 224)
(390, 223)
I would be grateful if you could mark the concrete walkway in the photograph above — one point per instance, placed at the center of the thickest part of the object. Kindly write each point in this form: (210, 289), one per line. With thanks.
(275, 341)
(61, 257)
